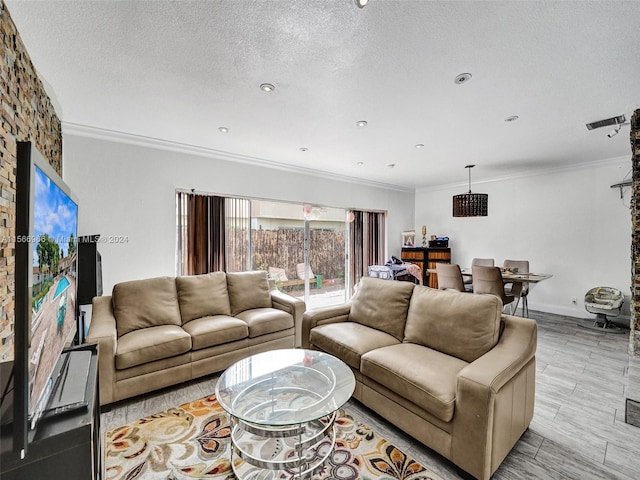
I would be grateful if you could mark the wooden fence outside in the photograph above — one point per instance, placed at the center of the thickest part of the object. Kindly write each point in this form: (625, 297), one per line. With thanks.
(284, 248)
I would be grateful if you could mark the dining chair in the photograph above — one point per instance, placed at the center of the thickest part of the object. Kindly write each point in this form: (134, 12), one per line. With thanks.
(485, 262)
(449, 277)
(523, 267)
(489, 280)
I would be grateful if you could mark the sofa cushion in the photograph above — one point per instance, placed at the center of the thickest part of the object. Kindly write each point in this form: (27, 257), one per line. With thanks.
(458, 324)
(266, 320)
(349, 340)
(424, 376)
(150, 344)
(145, 303)
(203, 295)
(215, 330)
(382, 305)
(248, 290)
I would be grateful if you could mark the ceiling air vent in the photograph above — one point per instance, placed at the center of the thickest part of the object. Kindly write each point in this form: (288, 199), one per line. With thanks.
(607, 122)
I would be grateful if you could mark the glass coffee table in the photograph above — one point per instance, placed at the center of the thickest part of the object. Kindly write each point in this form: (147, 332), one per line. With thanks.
(283, 405)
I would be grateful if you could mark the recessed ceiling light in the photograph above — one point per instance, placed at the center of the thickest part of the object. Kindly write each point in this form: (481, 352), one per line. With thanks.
(419, 145)
(462, 78)
(267, 87)
(303, 149)
(391, 165)
(512, 118)
(361, 123)
(360, 164)
(361, 3)
(223, 129)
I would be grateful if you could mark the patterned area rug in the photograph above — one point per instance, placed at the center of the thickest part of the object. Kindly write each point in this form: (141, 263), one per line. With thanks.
(192, 441)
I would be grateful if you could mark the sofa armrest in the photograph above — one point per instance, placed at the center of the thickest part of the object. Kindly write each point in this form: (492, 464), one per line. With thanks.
(103, 332)
(509, 367)
(516, 346)
(320, 316)
(293, 306)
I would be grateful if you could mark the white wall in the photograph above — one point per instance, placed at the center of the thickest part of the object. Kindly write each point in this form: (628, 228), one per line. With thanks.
(129, 190)
(568, 223)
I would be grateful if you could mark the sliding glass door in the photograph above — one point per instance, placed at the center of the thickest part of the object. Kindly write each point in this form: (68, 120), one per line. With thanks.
(303, 249)
(327, 255)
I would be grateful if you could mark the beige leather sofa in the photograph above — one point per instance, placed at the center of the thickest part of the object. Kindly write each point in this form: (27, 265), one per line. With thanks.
(158, 332)
(446, 367)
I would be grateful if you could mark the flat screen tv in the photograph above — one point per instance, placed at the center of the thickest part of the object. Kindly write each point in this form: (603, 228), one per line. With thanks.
(46, 266)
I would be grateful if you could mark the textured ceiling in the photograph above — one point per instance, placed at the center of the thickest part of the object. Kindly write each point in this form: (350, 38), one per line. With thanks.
(178, 70)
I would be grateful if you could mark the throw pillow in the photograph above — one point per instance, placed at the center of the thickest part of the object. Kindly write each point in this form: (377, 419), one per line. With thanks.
(203, 295)
(462, 325)
(382, 304)
(145, 303)
(248, 290)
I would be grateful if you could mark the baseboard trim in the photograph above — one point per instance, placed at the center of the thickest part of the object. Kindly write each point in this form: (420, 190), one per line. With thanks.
(622, 320)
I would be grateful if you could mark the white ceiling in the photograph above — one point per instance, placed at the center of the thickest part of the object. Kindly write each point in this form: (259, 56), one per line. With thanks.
(178, 70)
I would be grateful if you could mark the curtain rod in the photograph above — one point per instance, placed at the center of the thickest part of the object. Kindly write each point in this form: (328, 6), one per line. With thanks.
(261, 199)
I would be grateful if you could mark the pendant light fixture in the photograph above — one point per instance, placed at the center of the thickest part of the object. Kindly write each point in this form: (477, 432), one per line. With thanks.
(470, 204)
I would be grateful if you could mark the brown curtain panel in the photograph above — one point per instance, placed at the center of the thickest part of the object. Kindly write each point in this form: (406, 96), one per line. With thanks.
(367, 243)
(376, 238)
(356, 244)
(201, 234)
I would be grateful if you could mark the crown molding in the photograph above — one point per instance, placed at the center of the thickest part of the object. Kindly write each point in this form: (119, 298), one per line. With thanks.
(529, 173)
(167, 145)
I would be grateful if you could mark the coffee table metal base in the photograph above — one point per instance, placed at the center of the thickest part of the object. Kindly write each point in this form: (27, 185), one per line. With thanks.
(297, 450)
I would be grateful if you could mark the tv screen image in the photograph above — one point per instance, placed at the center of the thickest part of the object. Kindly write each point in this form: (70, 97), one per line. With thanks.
(46, 232)
(54, 272)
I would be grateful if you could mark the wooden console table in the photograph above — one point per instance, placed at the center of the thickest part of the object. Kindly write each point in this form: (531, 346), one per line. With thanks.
(426, 258)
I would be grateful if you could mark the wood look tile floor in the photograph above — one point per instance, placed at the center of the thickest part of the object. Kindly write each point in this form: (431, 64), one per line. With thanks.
(578, 429)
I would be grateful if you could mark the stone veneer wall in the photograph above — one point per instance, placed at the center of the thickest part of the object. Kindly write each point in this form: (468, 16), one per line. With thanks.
(634, 338)
(26, 113)
(632, 406)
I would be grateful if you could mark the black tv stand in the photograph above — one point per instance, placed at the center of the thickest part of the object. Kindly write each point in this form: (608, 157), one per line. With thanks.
(70, 389)
(63, 446)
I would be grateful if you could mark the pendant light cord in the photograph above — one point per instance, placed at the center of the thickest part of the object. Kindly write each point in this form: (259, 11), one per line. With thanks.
(469, 167)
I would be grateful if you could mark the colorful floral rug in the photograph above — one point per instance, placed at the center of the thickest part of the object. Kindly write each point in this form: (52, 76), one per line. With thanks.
(192, 441)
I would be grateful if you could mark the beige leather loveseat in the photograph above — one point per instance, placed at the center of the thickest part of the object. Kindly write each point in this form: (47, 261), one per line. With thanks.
(161, 331)
(446, 367)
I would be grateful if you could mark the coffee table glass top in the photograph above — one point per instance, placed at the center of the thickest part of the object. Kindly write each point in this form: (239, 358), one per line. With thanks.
(285, 387)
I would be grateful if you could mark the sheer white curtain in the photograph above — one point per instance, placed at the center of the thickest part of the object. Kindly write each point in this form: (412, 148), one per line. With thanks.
(237, 213)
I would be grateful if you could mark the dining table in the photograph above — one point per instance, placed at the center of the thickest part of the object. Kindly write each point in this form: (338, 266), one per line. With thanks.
(514, 277)
(518, 280)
